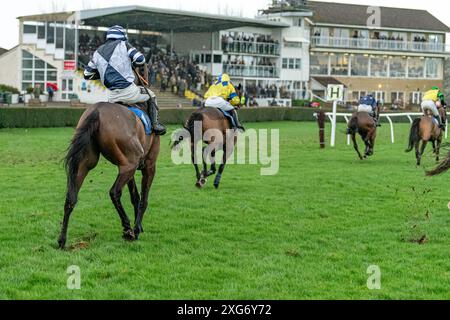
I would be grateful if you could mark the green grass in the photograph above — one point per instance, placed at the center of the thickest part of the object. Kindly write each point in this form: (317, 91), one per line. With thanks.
(309, 232)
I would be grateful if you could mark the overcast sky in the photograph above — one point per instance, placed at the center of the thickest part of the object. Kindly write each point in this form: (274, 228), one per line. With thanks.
(15, 8)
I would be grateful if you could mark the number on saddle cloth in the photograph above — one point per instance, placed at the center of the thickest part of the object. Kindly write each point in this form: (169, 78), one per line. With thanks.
(144, 118)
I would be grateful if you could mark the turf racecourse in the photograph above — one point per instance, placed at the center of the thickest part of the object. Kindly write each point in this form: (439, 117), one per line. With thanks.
(309, 232)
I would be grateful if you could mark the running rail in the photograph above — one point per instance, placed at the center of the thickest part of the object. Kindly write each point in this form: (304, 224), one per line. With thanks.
(388, 116)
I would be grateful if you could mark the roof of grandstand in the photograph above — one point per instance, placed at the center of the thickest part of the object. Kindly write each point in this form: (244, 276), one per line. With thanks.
(161, 20)
(356, 15)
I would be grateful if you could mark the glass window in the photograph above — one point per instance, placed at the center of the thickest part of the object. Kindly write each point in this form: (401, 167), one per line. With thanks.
(70, 42)
(50, 33)
(27, 75)
(29, 29)
(51, 75)
(298, 64)
(60, 35)
(291, 63)
(41, 31)
(285, 63)
(416, 67)
(208, 58)
(26, 55)
(39, 64)
(217, 58)
(27, 64)
(360, 66)
(397, 67)
(378, 66)
(434, 67)
(39, 75)
(339, 64)
(319, 63)
(49, 66)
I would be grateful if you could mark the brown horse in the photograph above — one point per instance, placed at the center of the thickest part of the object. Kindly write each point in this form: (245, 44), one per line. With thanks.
(364, 124)
(115, 132)
(211, 120)
(424, 130)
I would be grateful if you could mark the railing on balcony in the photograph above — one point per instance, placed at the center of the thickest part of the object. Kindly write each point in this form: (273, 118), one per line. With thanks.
(237, 70)
(375, 44)
(252, 47)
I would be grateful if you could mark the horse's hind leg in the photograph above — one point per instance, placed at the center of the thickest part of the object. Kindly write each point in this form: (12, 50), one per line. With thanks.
(438, 148)
(221, 168)
(126, 173)
(135, 198)
(355, 145)
(421, 152)
(88, 163)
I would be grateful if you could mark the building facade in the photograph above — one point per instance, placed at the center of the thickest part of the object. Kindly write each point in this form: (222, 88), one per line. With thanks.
(397, 60)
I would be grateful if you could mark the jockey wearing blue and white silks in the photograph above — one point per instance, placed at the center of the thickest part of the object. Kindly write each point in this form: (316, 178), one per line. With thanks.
(113, 63)
(370, 105)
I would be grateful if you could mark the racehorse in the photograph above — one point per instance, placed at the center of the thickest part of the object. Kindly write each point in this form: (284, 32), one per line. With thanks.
(212, 120)
(425, 129)
(364, 124)
(115, 132)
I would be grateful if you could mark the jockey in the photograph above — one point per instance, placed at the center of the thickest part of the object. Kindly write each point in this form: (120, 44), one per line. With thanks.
(432, 100)
(113, 63)
(370, 105)
(222, 95)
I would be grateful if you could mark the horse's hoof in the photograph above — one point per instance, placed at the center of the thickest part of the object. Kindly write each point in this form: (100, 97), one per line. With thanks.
(129, 235)
(216, 186)
(61, 244)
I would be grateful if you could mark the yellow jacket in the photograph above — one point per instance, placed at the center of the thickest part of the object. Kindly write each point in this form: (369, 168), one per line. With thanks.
(223, 88)
(431, 95)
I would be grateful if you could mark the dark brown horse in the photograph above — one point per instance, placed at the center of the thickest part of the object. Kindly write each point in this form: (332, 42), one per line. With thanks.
(115, 132)
(424, 130)
(365, 125)
(211, 120)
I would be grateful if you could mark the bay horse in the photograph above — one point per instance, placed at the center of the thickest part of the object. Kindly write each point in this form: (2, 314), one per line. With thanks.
(364, 124)
(424, 130)
(210, 119)
(115, 132)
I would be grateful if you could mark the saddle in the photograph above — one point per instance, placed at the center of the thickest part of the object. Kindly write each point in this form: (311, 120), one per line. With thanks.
(141, 114)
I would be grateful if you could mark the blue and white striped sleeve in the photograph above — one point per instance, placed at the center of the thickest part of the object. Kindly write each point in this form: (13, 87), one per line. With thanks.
(136, 57)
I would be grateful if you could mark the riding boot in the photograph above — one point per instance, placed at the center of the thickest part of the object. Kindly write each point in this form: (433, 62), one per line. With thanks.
(236, 120)
(441, 123)
(158, 128)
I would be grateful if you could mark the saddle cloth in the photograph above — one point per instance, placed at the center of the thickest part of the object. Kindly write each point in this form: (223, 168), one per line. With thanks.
(229, 117)
(144, 118)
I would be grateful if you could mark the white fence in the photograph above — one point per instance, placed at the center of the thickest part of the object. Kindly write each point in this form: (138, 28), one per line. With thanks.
(388, 116)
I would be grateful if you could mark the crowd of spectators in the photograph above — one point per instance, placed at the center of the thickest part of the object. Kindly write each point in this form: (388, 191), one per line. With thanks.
(249, 43)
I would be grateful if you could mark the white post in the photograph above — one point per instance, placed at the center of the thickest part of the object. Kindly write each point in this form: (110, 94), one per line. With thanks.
(392, 129)
(333, 125)
(348, 136)
(446, 129)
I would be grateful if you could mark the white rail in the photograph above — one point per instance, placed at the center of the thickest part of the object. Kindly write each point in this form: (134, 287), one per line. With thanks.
(388, 116)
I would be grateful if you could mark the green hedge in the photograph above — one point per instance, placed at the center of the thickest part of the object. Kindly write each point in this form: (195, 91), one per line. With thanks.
(68, 117)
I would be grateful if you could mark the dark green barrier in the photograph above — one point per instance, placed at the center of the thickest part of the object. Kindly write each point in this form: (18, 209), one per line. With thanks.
(68, 117)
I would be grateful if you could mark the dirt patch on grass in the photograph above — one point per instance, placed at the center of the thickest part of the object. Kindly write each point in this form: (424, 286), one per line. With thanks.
(83, 243)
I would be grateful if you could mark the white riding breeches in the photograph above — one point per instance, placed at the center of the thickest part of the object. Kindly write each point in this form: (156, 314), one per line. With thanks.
(431, 106)
(365, 108)
(132, 94)
(218, 103)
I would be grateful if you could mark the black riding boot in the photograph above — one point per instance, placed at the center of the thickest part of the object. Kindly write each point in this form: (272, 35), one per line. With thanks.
(157, 127)
(236, 120)
(441, 123)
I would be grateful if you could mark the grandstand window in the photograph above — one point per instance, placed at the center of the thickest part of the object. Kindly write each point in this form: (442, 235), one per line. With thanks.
(50, 33)
(69, 42)
(397, 67)
(27, 75)
(360, 66)
(39, 64)
(285, 63)
(397, 96)
(27, 63)
(217, 58)
(339, 64)
(35, 71)
(41, 31)
(433, 68)
(207, 58)
(416, 67)
(26, 85)
(59, 35)
(378, 66)
(319, 63)
(29, 28)
(39, 75)
(51, 75)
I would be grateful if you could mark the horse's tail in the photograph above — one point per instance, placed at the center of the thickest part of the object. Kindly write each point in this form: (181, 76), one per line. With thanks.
(77, 150)
(353, 125)
(414, 134)
(189, 126)
(443, 167)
